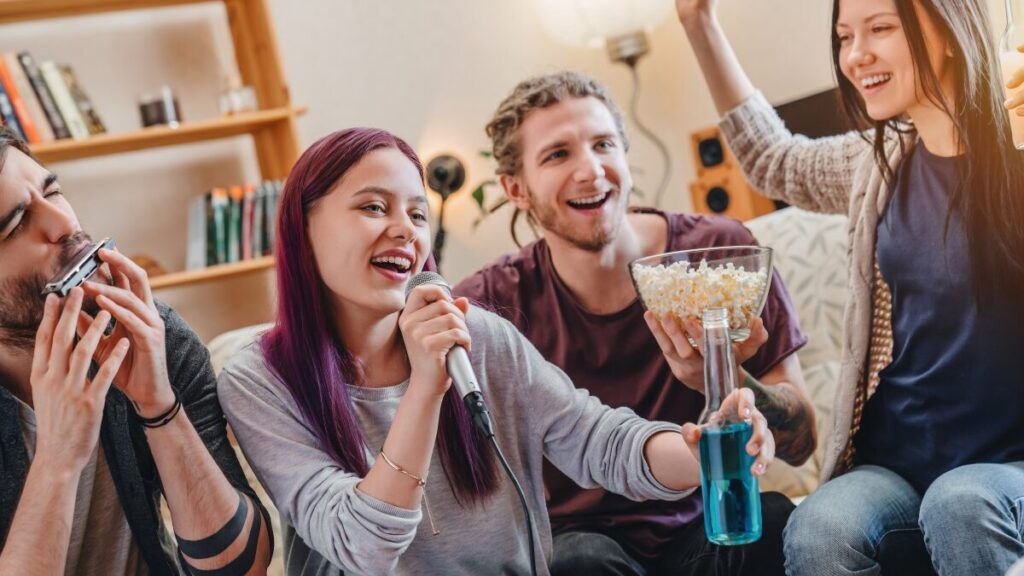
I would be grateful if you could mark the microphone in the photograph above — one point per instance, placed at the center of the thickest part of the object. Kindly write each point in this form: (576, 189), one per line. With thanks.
(464, 380)
(459, 367)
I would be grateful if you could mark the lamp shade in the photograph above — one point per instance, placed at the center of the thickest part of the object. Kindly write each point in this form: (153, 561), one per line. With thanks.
(589, 23)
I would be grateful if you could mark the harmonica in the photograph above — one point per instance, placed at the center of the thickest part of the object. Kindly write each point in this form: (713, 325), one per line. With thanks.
(79, 270)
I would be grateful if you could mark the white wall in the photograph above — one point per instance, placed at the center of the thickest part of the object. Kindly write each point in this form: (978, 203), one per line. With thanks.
(432, 72)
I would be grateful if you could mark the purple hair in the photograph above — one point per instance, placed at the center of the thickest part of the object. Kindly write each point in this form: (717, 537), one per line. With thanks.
(303, 350)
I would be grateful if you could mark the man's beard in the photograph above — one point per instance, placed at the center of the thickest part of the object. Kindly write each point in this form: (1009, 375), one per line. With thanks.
(22, 301)
(593, 240)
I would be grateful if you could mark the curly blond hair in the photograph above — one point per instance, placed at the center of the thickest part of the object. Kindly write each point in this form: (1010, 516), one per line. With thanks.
(541, 92)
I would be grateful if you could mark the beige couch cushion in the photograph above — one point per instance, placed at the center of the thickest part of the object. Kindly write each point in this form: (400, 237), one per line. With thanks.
(222, 347)
(810, 255)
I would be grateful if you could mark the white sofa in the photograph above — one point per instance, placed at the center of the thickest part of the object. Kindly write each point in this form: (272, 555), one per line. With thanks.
(810, 253)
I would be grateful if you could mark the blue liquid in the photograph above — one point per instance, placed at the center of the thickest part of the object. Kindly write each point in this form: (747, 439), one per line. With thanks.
(732, 504)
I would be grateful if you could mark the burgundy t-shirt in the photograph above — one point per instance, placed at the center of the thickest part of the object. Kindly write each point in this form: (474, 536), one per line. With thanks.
(617, 359)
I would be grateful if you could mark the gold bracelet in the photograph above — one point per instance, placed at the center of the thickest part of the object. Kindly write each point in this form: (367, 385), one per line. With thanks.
(421, 482)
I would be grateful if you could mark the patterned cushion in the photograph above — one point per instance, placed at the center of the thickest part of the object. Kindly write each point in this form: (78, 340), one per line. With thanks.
(810, 255)
(810, 252)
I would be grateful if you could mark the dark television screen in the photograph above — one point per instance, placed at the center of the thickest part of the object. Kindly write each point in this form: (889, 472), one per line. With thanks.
(816, 115)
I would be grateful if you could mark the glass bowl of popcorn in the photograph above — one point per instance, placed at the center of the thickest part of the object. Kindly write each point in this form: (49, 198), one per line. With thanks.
(682, 284)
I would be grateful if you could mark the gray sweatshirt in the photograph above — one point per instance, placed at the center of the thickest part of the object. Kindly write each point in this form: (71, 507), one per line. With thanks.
(332, 527)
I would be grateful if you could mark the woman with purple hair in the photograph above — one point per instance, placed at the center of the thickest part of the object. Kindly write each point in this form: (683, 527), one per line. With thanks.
(345, 412)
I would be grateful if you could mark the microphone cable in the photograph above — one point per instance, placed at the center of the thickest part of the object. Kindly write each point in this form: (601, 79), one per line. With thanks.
(482, 418)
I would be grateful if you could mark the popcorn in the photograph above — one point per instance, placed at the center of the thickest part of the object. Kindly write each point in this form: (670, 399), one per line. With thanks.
(680, 290)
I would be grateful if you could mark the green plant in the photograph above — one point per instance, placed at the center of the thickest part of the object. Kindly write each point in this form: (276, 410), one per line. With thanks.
(480, 193)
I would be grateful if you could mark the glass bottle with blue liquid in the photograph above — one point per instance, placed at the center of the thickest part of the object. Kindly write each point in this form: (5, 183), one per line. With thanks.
(732, 503)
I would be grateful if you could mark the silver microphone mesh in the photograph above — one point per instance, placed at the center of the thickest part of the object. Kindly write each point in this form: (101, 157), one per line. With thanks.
(427, 278)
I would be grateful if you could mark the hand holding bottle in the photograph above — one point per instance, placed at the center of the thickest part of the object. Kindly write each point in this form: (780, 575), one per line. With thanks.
(738, 406)
(732, 432)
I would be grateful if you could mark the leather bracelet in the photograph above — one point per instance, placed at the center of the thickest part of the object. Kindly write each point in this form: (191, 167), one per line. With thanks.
(162, 419)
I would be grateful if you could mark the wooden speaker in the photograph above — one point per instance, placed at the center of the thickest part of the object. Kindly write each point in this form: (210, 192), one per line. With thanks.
(720, 187)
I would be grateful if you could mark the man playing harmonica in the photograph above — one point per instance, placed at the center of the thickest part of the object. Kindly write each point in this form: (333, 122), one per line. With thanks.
(97, 423)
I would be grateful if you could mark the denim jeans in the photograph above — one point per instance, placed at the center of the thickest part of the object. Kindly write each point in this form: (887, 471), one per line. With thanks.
(970, 521)
(689, 554)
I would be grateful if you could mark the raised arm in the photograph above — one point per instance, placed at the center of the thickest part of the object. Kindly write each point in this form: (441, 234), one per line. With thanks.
(814, 174)
(726, 80)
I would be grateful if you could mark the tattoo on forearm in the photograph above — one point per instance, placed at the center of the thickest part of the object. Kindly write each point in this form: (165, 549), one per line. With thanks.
(216, 544)
(787, 418)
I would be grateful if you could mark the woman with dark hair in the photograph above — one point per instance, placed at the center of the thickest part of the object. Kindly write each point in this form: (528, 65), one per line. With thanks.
(341, 407)
(928, 433)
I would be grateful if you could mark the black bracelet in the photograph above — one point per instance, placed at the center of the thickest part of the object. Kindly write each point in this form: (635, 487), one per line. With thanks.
(162, 419)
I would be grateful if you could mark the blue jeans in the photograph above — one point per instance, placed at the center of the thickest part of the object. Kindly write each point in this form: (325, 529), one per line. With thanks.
(971, 520)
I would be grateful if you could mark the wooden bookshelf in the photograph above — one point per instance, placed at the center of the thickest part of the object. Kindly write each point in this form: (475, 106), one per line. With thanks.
(157, 136)
(273, 128)
(25, 10)
(210, 274)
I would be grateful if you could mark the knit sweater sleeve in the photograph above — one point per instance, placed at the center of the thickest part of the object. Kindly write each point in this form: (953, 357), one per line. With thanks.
(588, 441)
(813, 174)
(352, 530)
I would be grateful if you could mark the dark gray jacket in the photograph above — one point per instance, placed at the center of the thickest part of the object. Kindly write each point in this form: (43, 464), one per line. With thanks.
(127, 452)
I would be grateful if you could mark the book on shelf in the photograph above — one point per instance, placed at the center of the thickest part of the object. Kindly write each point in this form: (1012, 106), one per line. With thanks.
(82, 101)
(232, 224)
(195, 254)
(10, 119)
(33, 107)
(248, 212)
(235, 196)
(257, 219)
(219, 204)
(272, 200)
(62, 96)
(42, 92)
(25, 120)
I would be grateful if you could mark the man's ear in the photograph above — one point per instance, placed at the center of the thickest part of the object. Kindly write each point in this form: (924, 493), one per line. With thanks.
(515, 189)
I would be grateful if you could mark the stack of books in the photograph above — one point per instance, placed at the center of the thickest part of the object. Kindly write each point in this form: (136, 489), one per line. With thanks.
(232, 224)
(44, 102)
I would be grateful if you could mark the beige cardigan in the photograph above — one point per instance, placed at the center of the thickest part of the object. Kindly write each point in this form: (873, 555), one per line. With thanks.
(836, 175)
